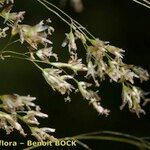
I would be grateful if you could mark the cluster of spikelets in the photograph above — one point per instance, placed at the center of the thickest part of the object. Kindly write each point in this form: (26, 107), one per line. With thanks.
(14, 108)
(103, 61)
(22, 108)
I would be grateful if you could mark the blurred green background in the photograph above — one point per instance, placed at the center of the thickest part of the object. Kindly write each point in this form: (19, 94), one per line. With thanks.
(122, 22)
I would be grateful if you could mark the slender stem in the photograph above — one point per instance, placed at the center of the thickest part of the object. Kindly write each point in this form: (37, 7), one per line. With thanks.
(146, 1)
(74, 24)
(116, 139)
(49, 3)
(54, 12)
(147, 5)
(56, 64)
(21, 119)
(15, 41)
(77, 24)
(148, 137)
(13, 52)
(83, 145)
(111, 133)
(37, 65)
(115, 136)
(33, 61)
(6, 44)
(17, 57)
(108, 56)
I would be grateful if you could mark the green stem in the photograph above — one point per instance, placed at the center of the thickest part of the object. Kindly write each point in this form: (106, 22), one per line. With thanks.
(33, 61)
(54, 12)
(116, 139)
(37, 65)
(111, 133)
(146, 138)
(115, 136)
(55, 64)
(7, 44)
(146, 4)
(13, 52)
(74, 22)
(83, 145)
(21, 119)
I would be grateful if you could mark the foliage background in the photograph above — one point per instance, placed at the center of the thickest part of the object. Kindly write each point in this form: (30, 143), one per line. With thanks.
(122, 22)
